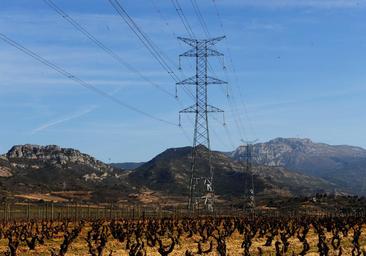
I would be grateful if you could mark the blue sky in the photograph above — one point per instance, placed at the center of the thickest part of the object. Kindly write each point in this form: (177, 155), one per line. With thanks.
(299, 72)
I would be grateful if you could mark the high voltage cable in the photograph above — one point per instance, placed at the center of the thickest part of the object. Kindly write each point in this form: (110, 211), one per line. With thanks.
(189, 30)
(109, 51)
(147, 42)
(233, 67)
(183, 18)
(143, 38)
(232, 104)
(203, 24)
(200, 18)
(77, 26)
(226, 131)
(78, 80)
(166, 22)
(102, 46)
(184, 21)
(187, 25)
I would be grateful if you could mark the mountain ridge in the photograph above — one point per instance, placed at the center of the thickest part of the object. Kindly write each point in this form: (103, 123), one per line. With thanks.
(29, 169)
(343, 165)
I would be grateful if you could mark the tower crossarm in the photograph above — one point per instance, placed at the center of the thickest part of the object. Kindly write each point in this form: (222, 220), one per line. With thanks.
(213, 41)
(212, 80)
(193, 80)
(189, 41)
(192, 42)
(191, 109)
(190, 80)
(212, 109)
(208, 53)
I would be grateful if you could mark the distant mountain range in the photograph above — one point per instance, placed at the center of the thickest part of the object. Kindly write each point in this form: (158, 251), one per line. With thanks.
(169, 173)
(57, 174)
(342, 165)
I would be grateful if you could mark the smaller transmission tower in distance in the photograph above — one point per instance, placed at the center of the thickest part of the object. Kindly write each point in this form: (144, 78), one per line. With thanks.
(249, 196)
(201, 186)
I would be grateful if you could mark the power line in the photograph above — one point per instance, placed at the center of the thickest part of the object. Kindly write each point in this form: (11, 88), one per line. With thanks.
(200, 18)
(187, 25)
(78, 80)
(206, 31)
(167, 24)
(203, 24)
(231, 102)
(147, 42)
(154, 51)
(102, 46)
(183, 18)
(78, 27)
(227, 132)
(241, 100)
(109, 51)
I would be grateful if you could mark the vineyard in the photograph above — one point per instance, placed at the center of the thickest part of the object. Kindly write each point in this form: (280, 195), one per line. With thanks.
(241, 235)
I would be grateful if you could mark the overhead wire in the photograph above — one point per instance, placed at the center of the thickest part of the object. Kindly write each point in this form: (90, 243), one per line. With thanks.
(102, 46)
(231, 103)
(147, 42)
(183, 18)
(167, 24)
(250, 123)
(204, 27)
(150, 46)
(190, 32)
(108, 50)
(79, 81)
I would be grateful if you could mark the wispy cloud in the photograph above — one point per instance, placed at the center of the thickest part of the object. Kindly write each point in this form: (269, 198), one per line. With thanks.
(64, 119)
(255, 25)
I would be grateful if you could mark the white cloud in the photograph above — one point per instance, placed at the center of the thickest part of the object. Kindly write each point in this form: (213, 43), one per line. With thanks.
(64, 119)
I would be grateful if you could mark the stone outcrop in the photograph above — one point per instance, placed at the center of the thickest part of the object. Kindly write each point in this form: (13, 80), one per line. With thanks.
(340, 164)
(53, 155)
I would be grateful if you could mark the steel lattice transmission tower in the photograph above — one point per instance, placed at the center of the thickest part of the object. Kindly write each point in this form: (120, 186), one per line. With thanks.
(249, 196)
(201, 187)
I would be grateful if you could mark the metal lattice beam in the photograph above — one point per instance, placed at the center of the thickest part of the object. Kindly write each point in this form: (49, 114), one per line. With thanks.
(201, 185)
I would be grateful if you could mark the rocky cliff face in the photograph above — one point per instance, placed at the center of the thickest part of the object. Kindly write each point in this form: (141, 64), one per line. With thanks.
(52, 155)
(170, 171)
(288, 152)
(341, 164)
(28, 169)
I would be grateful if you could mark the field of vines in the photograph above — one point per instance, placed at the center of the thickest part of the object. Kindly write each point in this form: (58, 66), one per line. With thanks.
(234, 236)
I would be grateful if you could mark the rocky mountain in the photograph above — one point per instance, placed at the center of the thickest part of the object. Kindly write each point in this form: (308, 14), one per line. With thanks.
(33, 169)
(169, 172)
(54, 173)
(342, 165)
